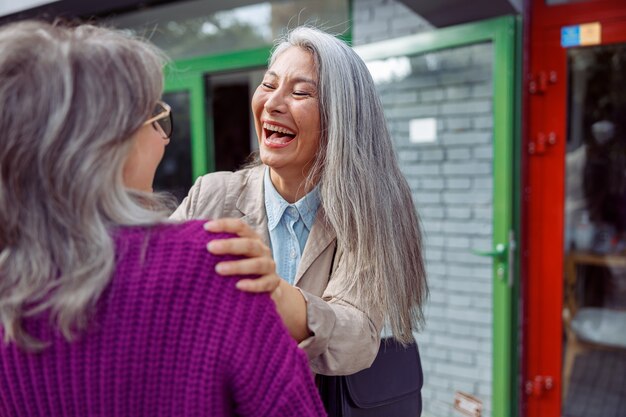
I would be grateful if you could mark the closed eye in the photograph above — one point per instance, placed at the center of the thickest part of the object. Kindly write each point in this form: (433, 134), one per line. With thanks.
(267, 85)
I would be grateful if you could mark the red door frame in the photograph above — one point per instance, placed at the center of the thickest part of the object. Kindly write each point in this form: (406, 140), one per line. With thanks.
(543, 184)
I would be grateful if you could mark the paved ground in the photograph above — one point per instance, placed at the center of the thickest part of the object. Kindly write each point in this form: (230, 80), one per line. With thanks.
(598, 386)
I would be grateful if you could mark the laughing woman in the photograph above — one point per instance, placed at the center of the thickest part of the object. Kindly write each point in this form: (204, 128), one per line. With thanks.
(328, 219)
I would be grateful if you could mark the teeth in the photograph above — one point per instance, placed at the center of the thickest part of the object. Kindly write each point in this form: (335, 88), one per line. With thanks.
(278, 129)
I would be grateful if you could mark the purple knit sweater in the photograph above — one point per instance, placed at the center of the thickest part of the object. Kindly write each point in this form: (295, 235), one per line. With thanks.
(169, 337)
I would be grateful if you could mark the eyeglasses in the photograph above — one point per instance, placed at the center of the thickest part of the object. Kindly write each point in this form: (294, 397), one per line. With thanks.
(162, 120)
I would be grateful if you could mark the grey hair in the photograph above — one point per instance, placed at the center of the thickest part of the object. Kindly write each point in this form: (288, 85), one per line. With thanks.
(366, 198)
(72, 99)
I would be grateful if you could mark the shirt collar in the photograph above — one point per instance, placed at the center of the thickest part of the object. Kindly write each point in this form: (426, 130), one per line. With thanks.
(307, 207)
(275, 204)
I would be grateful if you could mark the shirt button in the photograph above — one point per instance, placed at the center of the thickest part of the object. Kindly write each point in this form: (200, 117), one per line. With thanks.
(292, 254)
(292, 211)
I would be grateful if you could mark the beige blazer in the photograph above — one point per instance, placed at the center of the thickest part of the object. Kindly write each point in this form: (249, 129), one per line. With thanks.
(345, 338)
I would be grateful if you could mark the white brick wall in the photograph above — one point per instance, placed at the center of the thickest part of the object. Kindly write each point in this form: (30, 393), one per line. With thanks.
(452, 186)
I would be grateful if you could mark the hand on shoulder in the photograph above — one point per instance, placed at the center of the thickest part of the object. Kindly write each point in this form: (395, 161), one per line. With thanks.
(289, 301)
(258, 255)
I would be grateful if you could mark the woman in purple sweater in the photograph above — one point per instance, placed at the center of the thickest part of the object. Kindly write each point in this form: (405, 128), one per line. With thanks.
(106, 309)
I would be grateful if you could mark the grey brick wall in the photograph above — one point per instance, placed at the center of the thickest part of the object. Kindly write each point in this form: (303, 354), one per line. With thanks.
(452, 186)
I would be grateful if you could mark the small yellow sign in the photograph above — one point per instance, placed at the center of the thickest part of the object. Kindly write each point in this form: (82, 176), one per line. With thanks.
(590, 34)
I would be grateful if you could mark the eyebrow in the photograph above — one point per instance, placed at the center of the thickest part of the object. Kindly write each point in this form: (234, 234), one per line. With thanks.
(295, 79)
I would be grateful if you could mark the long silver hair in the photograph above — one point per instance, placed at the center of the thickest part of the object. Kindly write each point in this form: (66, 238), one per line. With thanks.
(71, 99)
(366, 198)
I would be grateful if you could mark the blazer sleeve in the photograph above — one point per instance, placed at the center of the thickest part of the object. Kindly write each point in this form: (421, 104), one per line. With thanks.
(345, 337)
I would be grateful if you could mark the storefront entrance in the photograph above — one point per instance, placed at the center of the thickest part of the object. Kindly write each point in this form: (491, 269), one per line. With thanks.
(575, 305)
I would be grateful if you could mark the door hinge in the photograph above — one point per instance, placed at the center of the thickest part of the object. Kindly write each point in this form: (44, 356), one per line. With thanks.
(541, 142)
(539, 385)
(539, 83)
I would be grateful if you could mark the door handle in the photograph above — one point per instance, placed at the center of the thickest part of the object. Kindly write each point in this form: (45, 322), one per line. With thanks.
(504, 253)
(498, 252)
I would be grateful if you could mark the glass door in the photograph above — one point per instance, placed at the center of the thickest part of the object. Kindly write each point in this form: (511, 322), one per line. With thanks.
(186, 156)
(210, 100)
(594, 296)
(449, 102)
(228, 98)
(177, 169)
(576, 300)
(213, 129)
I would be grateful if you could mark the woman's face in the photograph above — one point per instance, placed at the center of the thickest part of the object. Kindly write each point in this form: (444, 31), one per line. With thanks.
(286, 114)
(145, 156)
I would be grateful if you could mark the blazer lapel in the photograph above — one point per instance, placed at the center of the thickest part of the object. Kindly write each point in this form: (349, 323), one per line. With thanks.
(321, 236)
(251, 203)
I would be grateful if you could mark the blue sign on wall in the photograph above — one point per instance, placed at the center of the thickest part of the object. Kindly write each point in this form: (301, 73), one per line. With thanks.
(570, 36)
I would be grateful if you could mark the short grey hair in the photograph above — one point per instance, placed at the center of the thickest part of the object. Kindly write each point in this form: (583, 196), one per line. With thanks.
(72, 98)
(365, 196)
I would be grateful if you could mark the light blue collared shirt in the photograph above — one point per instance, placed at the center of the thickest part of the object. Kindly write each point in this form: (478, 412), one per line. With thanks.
(289, 226)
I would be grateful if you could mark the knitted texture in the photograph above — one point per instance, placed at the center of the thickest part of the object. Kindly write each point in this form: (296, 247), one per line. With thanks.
(169, 337)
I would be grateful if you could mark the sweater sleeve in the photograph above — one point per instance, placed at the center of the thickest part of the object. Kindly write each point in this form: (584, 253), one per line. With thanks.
(270, 375)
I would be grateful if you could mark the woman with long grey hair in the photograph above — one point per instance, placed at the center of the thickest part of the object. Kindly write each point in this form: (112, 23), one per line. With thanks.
(329, 200)
(107, 308)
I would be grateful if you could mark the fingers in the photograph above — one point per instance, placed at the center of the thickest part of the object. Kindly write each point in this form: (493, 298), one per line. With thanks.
(239, 246)
(268, 283)
(231, 225)
(259, 256)
(253, 266)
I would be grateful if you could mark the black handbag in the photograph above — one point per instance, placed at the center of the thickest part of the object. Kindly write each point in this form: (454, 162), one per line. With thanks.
(391, 387)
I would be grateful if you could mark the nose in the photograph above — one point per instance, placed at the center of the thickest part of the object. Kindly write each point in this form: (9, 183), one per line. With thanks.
(275, 103)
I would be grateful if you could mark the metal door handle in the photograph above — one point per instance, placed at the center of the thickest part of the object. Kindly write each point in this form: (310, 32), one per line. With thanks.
(505, 255)
(498, 251)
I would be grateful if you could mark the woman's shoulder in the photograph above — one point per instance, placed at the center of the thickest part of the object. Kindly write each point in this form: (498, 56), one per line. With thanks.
(228, 179)
(172, 258)
(214, 194)
(166, 269)
(182, 245)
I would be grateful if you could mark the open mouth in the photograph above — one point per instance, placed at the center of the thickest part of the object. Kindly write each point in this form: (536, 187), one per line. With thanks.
(277, 136)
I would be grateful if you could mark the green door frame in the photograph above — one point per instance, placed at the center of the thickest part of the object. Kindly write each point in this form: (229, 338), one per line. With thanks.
(188, 76)
(199, 147)
(502, 33)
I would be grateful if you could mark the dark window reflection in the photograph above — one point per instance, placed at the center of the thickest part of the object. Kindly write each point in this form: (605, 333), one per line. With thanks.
(597, 139)
(174, 173)
(229, 98)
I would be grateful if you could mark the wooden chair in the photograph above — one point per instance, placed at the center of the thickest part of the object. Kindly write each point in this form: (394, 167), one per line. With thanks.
(577, 320)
